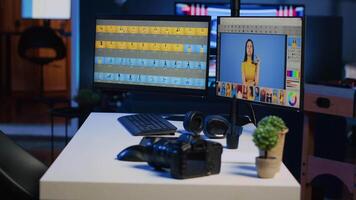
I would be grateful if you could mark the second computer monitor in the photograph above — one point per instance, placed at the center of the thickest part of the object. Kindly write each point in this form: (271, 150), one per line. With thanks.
(260, 60)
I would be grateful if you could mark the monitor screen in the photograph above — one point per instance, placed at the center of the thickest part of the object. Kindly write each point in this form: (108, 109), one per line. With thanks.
(46, 9)
(223, 9)
(260, 60)
(152, 53)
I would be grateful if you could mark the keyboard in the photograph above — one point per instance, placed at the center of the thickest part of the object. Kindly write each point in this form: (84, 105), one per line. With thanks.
(147, 124)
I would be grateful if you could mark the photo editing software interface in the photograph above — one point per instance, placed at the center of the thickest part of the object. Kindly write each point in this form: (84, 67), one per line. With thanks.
(152, 52)
(260, 60)
(223, 9)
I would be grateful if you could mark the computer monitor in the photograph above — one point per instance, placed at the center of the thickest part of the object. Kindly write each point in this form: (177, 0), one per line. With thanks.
(45, 9)
(223, 9)
(152, 53)
(261, 60)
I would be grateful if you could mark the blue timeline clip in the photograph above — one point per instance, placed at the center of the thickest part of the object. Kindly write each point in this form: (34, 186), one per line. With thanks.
(137, 62)
(149, 79)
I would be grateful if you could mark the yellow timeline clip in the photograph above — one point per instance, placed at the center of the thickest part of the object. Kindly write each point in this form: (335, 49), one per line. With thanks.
(189, 31)
(145, 46)
(178, 47)
(178, 31)
(155, 30)
(121, 45)
(99, 28)
(202, 31)
(132, 45)
(165, 31)
(143, 30)
(166, 47)
(100, 44)
(133, 29)
(122, 29)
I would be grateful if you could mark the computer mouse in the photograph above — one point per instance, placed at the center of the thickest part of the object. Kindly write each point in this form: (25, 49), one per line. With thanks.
(135, 153)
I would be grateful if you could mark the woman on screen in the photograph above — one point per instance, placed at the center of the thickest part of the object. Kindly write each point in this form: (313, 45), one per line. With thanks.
(250, 68)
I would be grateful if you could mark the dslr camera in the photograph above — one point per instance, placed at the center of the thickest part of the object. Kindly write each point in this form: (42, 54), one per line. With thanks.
(187, 156)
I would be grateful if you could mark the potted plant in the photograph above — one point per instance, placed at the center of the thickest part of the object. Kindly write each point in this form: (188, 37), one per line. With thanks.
(265, 138)
(281, 128)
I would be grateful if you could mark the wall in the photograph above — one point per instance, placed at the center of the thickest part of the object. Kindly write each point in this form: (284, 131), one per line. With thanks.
(347, 9)
(23, 76)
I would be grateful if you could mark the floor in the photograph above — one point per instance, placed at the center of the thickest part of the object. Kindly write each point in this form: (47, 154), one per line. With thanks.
(36, 139)
(28, 124)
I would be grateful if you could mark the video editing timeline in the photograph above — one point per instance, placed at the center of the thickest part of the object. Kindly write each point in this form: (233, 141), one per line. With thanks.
(152, 53)
(274, 40)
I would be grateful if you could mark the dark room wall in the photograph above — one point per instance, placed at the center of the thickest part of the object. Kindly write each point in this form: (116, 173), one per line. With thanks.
(347, 10)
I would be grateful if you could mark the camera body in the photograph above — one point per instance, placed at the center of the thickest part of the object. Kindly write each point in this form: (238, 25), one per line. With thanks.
(187, 156)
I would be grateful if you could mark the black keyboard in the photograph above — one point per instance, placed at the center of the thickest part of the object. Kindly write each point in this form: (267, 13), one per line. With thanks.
(147, 124)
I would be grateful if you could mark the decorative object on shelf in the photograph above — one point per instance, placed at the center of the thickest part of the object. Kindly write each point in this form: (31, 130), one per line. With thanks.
(87, 99)
(282, 130)
(269, 138)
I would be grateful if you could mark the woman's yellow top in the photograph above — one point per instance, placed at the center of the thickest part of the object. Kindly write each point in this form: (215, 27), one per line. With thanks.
(249, 70)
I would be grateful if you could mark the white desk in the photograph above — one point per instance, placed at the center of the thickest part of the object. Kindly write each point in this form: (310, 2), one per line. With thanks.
(87, 169)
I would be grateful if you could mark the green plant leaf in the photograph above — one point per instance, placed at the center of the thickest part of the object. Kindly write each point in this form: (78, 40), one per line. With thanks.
(273, 121)
(265, 137)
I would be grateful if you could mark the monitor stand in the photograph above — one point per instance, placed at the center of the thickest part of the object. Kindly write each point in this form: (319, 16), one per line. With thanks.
(235, 8)
(232, 137)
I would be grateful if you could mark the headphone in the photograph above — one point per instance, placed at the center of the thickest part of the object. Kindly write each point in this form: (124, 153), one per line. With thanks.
(213, 126)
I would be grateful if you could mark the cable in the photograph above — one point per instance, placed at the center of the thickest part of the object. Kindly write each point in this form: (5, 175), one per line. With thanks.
(253, 114)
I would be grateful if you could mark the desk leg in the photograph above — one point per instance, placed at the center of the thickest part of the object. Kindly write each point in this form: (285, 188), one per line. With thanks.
(8, 66)
(354, 195)
(66, 130)
(308, 149)
(52, 138)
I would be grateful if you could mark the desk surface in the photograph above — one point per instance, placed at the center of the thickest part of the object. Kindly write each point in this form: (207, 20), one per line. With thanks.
(87, 169)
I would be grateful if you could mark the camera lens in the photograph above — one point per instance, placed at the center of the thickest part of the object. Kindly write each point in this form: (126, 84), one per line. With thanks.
(161, 153)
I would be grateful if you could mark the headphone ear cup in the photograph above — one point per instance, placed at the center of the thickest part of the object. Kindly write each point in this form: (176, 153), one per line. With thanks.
(216, 126)
(193, 122)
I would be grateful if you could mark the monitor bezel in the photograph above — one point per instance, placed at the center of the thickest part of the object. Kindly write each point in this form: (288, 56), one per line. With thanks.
(301, 94)
(46, 18)
(155, 89)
